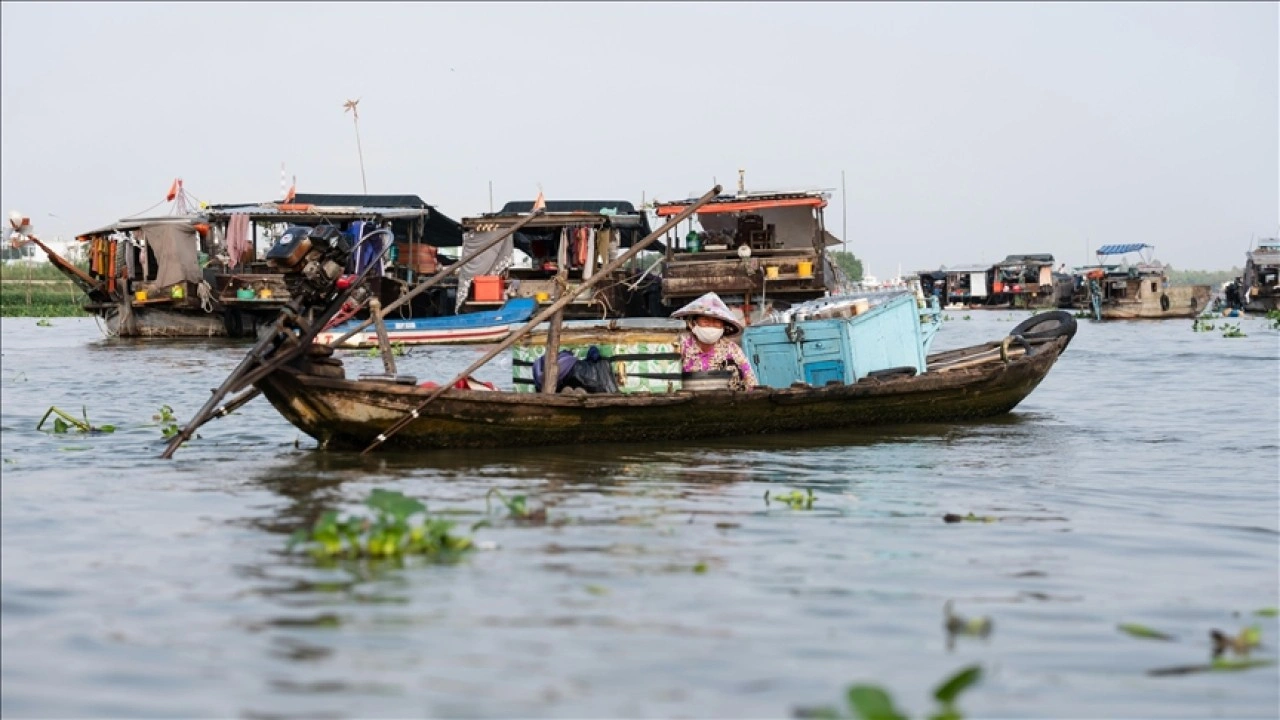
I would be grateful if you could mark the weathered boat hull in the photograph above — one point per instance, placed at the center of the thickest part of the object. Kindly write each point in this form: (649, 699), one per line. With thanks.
(350, 415)
(1179, 301)
(125, 320)
(1263, 304)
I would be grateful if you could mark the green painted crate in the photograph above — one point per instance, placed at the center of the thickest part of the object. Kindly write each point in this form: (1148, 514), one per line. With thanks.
(643, 361)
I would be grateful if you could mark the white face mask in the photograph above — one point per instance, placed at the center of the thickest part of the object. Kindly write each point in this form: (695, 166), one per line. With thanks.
(707, 335)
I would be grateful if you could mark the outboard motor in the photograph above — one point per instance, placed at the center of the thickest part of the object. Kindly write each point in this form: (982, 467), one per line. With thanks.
(311, 260)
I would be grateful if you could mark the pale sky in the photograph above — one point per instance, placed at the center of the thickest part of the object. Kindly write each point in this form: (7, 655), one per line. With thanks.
(965, 132)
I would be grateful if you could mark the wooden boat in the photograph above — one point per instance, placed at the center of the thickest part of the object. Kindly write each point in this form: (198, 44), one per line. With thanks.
(1259, 288)
(755, 249)
(173, 276)
(972, 383)
(1138, 291)
(814, 374)
(474, 327)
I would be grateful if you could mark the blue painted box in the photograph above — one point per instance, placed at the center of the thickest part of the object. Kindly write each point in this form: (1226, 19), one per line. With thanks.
(840, 349)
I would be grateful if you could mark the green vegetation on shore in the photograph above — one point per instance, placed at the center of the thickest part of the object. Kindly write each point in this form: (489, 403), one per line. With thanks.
(1212, 278)
(38, 291)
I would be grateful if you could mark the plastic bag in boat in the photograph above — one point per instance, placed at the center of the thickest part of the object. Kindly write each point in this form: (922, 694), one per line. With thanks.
(593, 373)
(567, 360)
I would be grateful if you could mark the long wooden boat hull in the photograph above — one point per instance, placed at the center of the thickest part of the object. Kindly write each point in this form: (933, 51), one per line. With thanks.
(126, 320)
(346, 414)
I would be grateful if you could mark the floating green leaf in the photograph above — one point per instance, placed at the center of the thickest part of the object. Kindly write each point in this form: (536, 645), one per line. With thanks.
(1268, 612)
(1233, 664)
(951, 688)
(1142, 631)
(393, 503)
(872, 703)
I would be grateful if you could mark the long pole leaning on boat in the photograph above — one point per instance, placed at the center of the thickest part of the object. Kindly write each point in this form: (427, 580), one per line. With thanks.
(556, 307)
(246, 373)
(269, 353)
(438, 277)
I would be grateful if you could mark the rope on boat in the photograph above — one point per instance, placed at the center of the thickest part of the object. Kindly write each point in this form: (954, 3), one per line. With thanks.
(206, 296)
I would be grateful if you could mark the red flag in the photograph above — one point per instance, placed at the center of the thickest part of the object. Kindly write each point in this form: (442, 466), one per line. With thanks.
(539, 203)
(293, 190)
(173, 190)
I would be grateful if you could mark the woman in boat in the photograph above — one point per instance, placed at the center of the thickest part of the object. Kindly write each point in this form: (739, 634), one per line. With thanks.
(707, 345)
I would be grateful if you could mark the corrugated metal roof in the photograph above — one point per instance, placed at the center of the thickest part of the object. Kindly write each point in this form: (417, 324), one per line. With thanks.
(318, 211)
(1122, 249)
(1032, 259)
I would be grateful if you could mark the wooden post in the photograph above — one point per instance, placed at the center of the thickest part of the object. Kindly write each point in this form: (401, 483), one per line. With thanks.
(384, 345)
(551, 358)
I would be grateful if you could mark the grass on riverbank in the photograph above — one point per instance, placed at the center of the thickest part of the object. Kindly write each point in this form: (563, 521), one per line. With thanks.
(38, 291)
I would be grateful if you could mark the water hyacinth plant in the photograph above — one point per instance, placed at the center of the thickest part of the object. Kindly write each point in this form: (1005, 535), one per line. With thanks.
(65, 422)
(794, 499)
(1232, 331)
(168, 423)
(399, 527)
(871, 702)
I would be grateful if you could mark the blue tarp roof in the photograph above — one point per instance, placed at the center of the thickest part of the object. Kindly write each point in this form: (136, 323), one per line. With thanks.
(1122, 249)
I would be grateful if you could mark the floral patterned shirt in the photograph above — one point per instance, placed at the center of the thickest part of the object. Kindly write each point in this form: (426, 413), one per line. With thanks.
(724, 355)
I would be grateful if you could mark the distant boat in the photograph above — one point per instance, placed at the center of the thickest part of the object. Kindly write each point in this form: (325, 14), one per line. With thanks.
(1259, 288)
(474, 327)
(1137, 291)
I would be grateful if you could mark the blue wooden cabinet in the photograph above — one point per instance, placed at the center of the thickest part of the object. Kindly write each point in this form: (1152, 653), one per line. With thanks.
(818, 352)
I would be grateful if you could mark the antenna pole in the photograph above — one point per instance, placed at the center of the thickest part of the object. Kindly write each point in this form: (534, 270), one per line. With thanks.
(844, 217)
(490, 196)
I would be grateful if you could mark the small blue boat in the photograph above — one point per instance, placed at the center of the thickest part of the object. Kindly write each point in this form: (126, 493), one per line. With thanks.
(474, 327)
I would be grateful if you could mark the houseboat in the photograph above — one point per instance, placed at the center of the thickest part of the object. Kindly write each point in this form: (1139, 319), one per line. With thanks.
(958, 287)
(1024, 282)
(200, 272)
(1135, 288)
(553, 254)
(250, 289)
(1259, 289)
(1018, 281)
(753, 249)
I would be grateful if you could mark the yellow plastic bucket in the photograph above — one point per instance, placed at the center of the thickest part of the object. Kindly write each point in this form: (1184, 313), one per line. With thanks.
(804, 268)
(771, 272)
(140, 296)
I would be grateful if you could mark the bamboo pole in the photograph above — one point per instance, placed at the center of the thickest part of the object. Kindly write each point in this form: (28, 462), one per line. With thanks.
(557, 306)
(551, 355)
(384, 344)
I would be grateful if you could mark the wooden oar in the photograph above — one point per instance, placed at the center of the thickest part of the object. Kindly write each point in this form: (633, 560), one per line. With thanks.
(438, 277)
(552, 309)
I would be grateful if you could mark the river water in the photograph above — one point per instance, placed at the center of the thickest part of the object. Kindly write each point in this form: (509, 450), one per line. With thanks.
(1137, 484)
